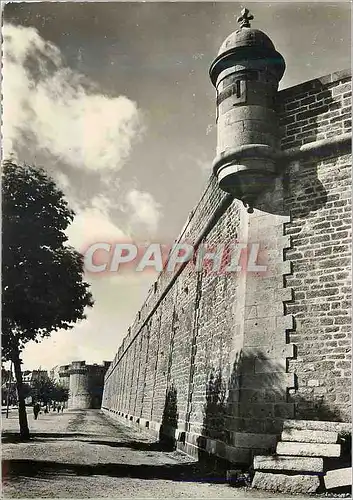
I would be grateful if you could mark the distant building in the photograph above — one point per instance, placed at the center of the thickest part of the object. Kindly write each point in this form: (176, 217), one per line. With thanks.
(27, 376)
(64, 376)
(38, 374)
(54, 374)
(30, 376)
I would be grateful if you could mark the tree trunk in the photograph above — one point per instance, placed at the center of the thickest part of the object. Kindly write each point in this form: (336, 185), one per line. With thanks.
(22, 415)
(8, 392)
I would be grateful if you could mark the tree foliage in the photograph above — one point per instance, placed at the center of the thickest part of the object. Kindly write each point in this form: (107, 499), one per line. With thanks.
(41, 390)
(45, 391)
(61, 394)
(42, 286)
(8, 390)
(43, 289)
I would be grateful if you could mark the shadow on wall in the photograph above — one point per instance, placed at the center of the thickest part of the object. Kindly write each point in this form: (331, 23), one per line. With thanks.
(301, 182)
(315, 409)
(169, 419)
(254, 400)
(96, 401)
(302, 186)
(215, 425)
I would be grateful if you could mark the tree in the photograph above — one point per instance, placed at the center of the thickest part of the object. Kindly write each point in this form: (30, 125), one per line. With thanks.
(42, 390)
(9, 393)
(26, 389)
(42, 286)
(60, 394)
(8, 390)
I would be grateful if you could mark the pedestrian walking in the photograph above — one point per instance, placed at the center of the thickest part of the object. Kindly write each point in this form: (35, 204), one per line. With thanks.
(59, 408)
(36, 410)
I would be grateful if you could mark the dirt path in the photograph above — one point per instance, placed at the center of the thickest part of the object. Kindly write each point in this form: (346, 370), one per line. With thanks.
(83, 454)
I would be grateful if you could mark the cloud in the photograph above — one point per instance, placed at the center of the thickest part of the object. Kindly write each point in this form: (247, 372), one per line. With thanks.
(94, 225)
(54, 109)
(49, 109)
(143, 209)
(62, 180)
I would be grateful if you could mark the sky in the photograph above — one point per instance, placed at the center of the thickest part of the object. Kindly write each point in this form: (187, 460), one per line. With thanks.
(114, 101)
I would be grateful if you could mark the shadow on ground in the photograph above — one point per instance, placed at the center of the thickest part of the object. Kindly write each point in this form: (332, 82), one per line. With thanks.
(41, 437)
(134, 445)
(12, 437)
(188, 472)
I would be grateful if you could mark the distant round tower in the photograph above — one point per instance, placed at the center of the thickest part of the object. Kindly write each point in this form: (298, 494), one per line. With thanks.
(79, 394)
(246, 74)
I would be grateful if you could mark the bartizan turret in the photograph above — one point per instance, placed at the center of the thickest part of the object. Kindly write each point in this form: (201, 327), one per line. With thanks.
(246, 74)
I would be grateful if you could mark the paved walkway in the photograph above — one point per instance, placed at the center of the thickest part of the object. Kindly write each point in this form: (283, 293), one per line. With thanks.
(84, 454)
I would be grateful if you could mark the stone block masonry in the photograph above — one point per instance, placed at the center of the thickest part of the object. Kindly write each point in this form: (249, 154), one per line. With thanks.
(282, 483)
(317, 425)
(319, 458)
(338, 478)
(289, 463)
(220, 361)
(309, 436)
(319, 199)
(308, 449)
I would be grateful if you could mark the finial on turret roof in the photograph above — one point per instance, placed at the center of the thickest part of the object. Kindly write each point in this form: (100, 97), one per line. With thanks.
(245, 19)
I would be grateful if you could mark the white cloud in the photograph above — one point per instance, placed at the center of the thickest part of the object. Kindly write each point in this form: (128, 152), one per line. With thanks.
(94, 225)
(62, 180)
(49, 105)
(144, 209)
